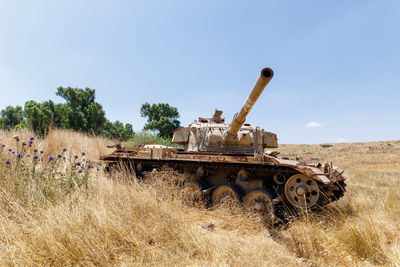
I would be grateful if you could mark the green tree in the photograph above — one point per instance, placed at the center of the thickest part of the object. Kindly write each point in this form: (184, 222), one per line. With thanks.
(42, 116)
(81, 112)
(59, 118)
(11, 117)
(118, 130)
(160, 117)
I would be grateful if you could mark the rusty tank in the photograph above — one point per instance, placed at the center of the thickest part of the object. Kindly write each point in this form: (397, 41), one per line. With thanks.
(236, 162)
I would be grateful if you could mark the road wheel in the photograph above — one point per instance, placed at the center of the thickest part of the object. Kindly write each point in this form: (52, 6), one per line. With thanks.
(112, 167)
(225, 194)
(260, 201)
(301, 191)
(193, 191)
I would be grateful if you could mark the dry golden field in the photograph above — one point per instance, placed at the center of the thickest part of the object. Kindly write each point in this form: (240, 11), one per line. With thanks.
(52, 214)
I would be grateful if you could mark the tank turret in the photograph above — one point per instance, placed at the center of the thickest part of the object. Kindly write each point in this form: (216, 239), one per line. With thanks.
(214, 135)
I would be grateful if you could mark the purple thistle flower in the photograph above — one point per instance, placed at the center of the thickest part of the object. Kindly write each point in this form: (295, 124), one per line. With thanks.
(13, 152)
(32, 138)
(64, 149)
(19, 155)
(83, 153)
(89, 166)
(51, 158)
(3, 145)
(8, 162)
(35, 157)
(41, 151)
(9, 150)
(18, 139)
(78, 164)
(30, 142)
(59, 156)
(80, 170)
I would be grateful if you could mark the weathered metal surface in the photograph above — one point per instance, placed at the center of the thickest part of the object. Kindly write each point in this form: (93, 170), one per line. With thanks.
(181, 136)
(214, 135)
(216, 153)
(310, 170)
(170, 153)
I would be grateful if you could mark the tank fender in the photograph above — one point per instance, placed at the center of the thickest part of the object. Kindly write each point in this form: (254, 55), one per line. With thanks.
(334, 172)
(313, 172)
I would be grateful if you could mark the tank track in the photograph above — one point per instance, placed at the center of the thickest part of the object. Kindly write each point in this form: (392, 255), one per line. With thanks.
(257, 172)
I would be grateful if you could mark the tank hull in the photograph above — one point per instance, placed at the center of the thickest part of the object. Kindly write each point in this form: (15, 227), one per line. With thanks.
(243, 172)
(228, 162)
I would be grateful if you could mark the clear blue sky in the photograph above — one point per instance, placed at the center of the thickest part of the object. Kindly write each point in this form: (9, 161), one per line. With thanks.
(336, 63)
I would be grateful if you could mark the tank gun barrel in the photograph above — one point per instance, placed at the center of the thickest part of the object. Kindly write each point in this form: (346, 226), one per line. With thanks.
(239, 118)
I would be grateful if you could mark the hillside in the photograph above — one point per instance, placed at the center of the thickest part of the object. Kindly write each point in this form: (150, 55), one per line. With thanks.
(55, 212)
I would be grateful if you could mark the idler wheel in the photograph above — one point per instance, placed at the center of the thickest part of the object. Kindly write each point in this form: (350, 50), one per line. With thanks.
(301, 191)
(260, 201)
(193, 191)
(225, 194)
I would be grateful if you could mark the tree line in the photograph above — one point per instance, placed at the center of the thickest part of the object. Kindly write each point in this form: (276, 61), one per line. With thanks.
(83, 114)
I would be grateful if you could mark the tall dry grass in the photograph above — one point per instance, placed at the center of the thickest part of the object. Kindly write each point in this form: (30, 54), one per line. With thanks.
(364, 227)
(123, 222)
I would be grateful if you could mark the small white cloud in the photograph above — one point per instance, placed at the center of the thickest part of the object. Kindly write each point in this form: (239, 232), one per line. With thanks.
(341, 140)
(314, 124)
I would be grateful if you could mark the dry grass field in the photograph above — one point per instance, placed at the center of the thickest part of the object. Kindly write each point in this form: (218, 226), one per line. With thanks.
(59, 210)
